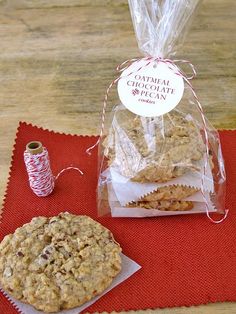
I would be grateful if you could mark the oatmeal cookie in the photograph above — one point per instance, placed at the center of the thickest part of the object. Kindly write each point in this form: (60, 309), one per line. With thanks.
(163, 205)
(58, 263)
(154, 149)
(172, 192)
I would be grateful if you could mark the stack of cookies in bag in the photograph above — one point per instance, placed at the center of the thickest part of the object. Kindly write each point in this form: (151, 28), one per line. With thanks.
(155, 163)
(158, 149)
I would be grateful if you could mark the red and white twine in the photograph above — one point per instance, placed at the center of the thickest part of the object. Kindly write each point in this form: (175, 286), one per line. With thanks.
(41, 178)
(172, 64)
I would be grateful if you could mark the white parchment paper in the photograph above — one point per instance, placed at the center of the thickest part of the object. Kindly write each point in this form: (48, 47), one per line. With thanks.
(129, 267)
(117, 210)
(127, 191)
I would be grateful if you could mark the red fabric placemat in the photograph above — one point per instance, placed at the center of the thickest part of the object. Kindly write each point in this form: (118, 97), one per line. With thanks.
(186, 260)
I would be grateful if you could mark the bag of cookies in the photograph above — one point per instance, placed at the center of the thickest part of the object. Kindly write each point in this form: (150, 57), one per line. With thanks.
(159, 155)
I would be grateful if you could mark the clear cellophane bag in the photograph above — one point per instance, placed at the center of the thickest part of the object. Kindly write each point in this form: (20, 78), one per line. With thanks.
(164, 165)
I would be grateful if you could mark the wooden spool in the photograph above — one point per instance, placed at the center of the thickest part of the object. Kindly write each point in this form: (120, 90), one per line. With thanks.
(34, 147)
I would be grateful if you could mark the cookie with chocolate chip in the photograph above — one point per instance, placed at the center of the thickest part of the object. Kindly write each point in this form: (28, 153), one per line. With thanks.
(58, 263)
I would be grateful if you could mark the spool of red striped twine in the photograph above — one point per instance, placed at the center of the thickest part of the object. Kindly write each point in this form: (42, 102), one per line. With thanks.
(37, 162)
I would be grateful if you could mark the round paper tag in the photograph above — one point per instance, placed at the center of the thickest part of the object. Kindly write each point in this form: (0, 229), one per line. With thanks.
(152, 91)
